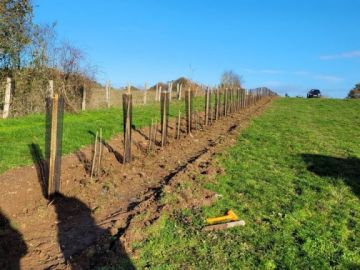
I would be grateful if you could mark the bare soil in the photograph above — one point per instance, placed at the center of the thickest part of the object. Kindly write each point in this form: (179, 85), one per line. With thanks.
(94, 221)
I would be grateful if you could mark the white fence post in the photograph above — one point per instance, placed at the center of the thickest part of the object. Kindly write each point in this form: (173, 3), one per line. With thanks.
(180, 88)
(145, 94)
(7, 98)
(107, 94)
(51, 88)
(83, 103)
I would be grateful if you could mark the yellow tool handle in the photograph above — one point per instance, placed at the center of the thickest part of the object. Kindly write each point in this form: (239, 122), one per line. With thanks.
(218, 219)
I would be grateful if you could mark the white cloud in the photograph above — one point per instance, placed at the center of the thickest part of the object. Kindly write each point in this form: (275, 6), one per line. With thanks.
(343, 55)
(301, 72)
(272, 71)
(328, 78)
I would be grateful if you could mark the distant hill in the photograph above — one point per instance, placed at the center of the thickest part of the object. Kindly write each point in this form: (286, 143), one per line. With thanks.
(186, 84)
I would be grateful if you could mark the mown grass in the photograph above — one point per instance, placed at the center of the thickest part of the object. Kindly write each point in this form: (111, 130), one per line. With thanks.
(18, 133)
(293, 176)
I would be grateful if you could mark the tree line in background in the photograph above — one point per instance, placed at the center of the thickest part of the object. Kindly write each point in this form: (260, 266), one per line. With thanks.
(31, 55)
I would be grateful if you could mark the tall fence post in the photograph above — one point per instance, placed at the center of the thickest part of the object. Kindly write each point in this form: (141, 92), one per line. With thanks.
(127, 121)
(83, 102)
(188, 106)
(217, 103)
(7, 98)
(164, 103)
(211, 114)
(225, 101)
(243, 97)
(54, 182)
(145, 94)
(207, 102)
(51, 88)
(170, 85)
(107, 94)
(179, 95)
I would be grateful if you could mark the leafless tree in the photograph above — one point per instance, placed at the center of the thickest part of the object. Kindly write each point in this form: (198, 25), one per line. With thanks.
(230, 78)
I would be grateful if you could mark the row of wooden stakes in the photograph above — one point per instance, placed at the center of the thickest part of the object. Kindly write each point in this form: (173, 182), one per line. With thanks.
(226, 101)
(218, 103)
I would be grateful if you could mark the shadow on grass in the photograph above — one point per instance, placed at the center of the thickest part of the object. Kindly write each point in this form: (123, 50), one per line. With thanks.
(347, 168)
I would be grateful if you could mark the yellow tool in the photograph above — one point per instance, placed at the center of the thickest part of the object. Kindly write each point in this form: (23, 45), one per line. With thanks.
(231, 216)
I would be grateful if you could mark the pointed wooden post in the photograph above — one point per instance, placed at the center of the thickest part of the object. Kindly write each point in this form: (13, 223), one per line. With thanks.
(127, 122)
(164, 103)
(107, 94)
(7, 98)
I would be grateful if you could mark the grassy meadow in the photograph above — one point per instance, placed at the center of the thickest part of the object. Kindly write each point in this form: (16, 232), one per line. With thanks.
(294, 177)
(17, 134)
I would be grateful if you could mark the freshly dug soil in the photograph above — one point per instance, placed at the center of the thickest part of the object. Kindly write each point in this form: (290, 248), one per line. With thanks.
(94, 221)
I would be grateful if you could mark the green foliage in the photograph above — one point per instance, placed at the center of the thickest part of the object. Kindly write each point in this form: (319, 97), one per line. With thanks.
(295, 218)
(15, 30)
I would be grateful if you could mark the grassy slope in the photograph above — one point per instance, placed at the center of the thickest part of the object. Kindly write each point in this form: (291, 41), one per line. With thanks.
(16, 134)
(295, 218)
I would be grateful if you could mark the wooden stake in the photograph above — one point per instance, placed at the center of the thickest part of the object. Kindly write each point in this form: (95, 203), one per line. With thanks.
(155, 131)
(94, 156)
(188, 105)
(178, 126)
(170, 90)
(225, 102)
(151, 131)
(100, 150)
(164, 117)
(127, 118)
(207, 101)
(54, 165)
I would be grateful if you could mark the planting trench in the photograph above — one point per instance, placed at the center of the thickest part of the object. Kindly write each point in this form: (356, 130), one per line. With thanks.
(94, 222)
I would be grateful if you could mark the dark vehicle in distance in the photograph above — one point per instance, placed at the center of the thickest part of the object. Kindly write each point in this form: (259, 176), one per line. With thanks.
(314, 93)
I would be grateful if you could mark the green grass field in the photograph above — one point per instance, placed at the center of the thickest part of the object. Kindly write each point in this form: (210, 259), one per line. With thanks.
(293, 176)
(18, 133)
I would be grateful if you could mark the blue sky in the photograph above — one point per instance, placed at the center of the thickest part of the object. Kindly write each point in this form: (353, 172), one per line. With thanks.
(289, 46)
